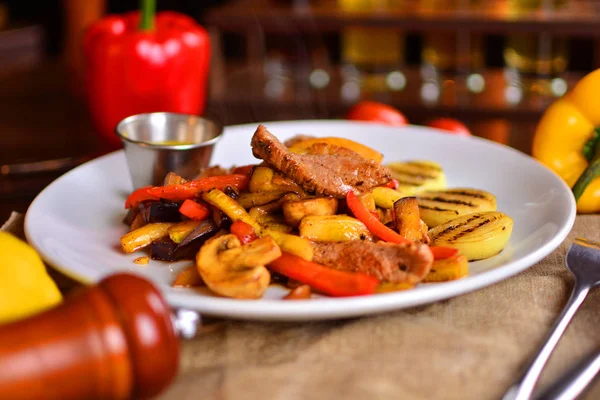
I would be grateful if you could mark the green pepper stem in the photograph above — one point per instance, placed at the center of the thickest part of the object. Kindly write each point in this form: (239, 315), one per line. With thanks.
(148, 10)
(590, 173)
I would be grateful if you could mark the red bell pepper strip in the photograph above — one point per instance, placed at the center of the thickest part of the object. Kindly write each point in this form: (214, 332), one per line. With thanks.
(187, 190)
(393, 184)
(138, 196)
(244, 232)
(194, 210)
(144, 62)
(329, 281)
(371, 222)
(440, 253)
(244, 170)
(384, 233)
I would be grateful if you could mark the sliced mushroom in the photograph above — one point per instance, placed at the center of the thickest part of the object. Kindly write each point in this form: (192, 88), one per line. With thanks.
(233, 270)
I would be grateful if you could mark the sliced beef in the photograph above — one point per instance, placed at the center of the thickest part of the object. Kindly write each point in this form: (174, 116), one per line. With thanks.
(326, 170)
(388, 262)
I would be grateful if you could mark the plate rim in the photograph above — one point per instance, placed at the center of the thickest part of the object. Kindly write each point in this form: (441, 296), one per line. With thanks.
(277, 310)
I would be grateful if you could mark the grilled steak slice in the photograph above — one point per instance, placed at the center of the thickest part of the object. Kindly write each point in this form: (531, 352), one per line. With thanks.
(388, 262)
(326, 170)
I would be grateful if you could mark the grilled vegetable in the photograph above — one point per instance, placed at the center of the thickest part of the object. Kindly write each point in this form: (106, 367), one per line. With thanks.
(132, 214)
(385, 197)
(233, 270)
(159, 211)
(264, 217)
(327, 280)
(244, 232)
(387, 287)
(294, 211)
(438, 207)
(249, 200)
(477, 236)
(417, 176)
(368, 201)
(277, 226)
(302, 292)
(448, 269)
(205, 230)
(144, 236)
(178, 232)
(194, 210)
(173, 179)
(220, 219)
(138, 222)
(264, 179)
(290, 243)
(166, 250)
(407, 219)
(333, 228)
(189, 277)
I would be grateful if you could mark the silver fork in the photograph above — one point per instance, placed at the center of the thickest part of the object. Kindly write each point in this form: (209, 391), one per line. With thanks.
(583, 261)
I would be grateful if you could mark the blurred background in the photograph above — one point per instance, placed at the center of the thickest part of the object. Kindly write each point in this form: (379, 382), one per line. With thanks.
(495, 65)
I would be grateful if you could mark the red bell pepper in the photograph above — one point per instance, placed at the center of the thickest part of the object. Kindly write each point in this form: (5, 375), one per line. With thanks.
(371, 222)
(387, 234)
(244, 170)
(243, 231)
(194, 210)
(440, 253)
(138, 196)
(393, 184)
(141, 62)
(187, 190)
(329, 281)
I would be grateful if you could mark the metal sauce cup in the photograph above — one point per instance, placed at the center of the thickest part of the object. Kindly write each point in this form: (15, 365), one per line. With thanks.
(162, 142)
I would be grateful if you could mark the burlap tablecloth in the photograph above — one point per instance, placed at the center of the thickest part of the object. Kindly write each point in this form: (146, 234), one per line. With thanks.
(469, 347)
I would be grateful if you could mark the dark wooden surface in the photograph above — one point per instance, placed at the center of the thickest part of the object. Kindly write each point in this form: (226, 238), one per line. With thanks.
(41, 118)
(580, 18)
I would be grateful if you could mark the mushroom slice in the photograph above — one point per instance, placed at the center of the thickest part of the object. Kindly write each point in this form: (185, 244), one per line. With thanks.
(233, 270)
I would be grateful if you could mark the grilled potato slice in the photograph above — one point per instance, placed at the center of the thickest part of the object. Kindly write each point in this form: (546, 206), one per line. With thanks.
(333, 228)
(417, 176)
(294, 211)
(448, 269)
(438, 207)
(477, 236)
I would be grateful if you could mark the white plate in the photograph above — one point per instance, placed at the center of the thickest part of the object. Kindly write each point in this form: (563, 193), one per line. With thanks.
(75, 223)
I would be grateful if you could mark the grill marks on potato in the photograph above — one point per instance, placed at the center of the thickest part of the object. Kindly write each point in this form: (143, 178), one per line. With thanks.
(438, 207)
(463, 228)
(414, 173)
(477, 236)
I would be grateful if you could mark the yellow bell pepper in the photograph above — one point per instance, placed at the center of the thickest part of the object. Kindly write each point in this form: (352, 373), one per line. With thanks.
(566, 141)
(356, 147)
(25, 286)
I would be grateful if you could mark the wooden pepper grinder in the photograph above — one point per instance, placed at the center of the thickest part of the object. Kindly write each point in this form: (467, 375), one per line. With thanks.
(114, 340)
